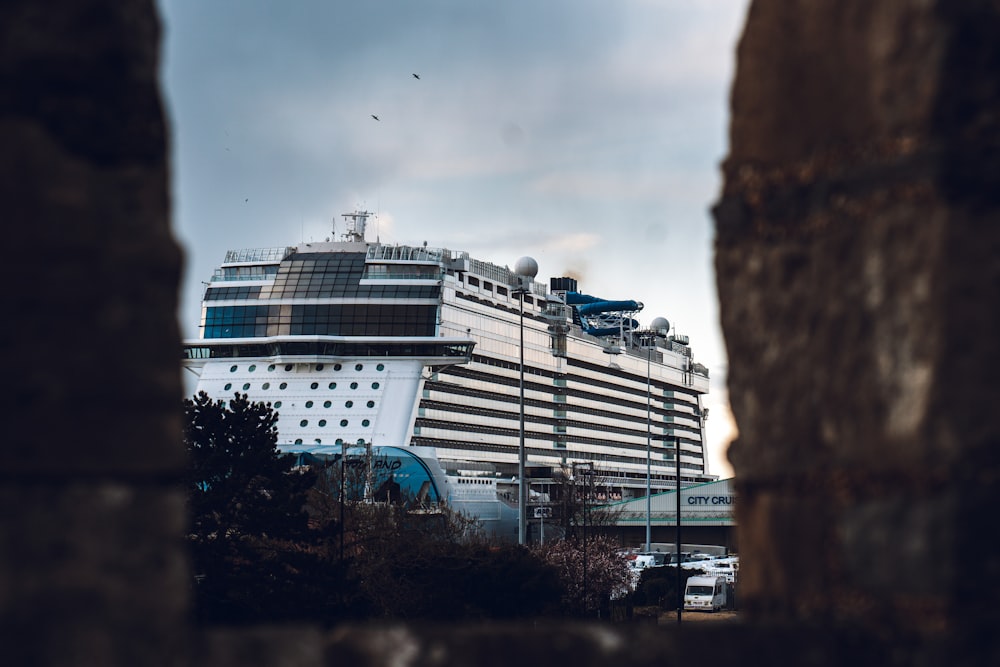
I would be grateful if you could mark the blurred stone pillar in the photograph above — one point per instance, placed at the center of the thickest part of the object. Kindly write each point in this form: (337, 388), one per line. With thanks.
(92, 570)
(858, 263)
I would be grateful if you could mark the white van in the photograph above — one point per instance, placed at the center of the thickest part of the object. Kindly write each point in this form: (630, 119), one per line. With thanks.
(705, 594)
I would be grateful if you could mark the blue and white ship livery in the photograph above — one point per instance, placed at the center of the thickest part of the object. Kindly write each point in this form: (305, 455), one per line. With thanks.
(358, 343)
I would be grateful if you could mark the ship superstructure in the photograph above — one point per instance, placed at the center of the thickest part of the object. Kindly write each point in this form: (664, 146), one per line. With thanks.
(362, 343)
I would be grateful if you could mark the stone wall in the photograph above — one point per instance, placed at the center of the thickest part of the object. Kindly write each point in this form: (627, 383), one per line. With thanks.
(857, 260)
(92, 567)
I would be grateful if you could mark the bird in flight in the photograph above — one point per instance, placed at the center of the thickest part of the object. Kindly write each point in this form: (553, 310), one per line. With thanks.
(416, 76)
(374, 116)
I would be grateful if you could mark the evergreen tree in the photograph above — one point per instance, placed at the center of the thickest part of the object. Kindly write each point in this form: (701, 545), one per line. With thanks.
(239, 485)
(254, 556)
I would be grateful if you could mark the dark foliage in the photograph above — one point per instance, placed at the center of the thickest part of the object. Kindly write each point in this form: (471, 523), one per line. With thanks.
(259, 557)
(253, 555)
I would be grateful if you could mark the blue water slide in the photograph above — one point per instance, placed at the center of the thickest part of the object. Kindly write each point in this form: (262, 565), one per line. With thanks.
(588, 306)
(598, 307)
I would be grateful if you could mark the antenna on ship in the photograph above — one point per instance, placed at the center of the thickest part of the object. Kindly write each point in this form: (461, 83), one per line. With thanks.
(355, 226)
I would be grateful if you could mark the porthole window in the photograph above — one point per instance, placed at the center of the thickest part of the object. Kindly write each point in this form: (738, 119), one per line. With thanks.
(354, 385)
(232, 369)
(288, 367)
(314, 385)
(327, 404)
(304, 422)
(337, 367)
(266, 385)
(333, 385)
(375, 385)
(320, 367)
(322, 422)
(318, 441)
(277, 404)
(370, 404)
(229, 385)
(343, 422)
(361, 441)
(246, 385)
(271, 368)
(283, 385)
(309, 404)
(349, 404)
(380, 367)
(339, 441)
(359, 367)
(252, 368)
(298, 441)
(365, 422)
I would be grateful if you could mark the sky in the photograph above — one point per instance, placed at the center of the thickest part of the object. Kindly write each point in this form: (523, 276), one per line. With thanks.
(586, 134)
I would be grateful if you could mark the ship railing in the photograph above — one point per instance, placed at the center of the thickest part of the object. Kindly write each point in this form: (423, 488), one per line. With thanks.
(257, 255)
(219, 276)
(401, 276)
(403, 253)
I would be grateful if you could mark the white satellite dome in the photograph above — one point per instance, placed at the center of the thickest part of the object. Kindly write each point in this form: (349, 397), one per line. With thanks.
(527, 267)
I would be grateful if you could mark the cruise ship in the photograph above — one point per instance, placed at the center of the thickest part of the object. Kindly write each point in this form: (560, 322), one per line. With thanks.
(364, 344)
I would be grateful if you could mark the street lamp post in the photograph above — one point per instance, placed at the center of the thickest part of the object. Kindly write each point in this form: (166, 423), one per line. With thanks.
(586, 470)
(677, 513)
(658, 324)
(649, 448)
(525, 270)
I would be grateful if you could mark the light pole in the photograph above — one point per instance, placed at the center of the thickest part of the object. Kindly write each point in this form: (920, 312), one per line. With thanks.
(658, 324)
(525, 270)
(677, 511)
(649, 447)
(586, 470)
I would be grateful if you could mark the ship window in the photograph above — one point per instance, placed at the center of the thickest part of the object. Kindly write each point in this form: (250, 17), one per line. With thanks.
(339, 441)
(252, 368)
(314, 385)
(349, 404)
(283, 385)
(322, 422)
(343, 422)
(320, 367)
(361, 441)
(304, 422)
(354, 385)
(327, 404)
(371, 404)
(270, 368)
(487, 285)
(380, 367)
(318, 441)
(337, 367)
(246, 386)
(333, 385)
(229, 385)
(502, 291)
(375, 385)
(309, 404)
(365, 422)
(266, 386)
(277, 404)
(232, 369)
(298, 441)
(288, 367)
(474, 282)
(359, 367)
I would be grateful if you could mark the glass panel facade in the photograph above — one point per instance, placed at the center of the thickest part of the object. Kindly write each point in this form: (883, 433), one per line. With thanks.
(361, 319)
(319, 275)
